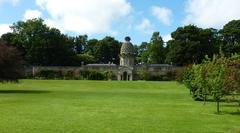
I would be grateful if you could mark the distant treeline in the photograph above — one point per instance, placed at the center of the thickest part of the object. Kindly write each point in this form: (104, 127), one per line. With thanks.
(41, 45)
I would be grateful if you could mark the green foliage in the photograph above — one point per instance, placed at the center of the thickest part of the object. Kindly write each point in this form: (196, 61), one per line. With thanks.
(49, 74)
(85, 58)
(230, 34)
(41, 45)
(145, 75)
(108, 50)
(71, 74)
(93, 75)
(156, 49)
(217, 77)
(190, 44)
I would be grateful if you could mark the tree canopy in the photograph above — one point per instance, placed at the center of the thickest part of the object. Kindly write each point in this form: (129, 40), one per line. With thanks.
(190, 44)
(41, 45)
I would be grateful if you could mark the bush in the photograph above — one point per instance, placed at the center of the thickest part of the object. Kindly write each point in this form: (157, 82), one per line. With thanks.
(49, 74)
(69, 75)
(169, 76)
(92, 75)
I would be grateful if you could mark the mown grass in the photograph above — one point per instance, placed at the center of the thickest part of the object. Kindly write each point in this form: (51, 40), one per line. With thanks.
(58, 106)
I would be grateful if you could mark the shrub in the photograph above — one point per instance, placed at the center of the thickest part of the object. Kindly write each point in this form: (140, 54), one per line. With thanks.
(92, 75)
(69, 75)
(49, 74)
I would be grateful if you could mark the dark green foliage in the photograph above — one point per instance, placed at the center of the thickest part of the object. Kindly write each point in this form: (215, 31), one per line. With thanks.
(142, 53)
(71, 74)
(49, 74)
(85, 58)
(41, 45)
(108, 50)
(156, 49)
(80, 43)
(11, 63)
(92, 75)
(190, 44)
(153, 52)
(230, 34)
(168, 76)
(105, 50)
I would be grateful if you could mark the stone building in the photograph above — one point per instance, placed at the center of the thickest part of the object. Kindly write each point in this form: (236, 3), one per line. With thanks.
(126, 67)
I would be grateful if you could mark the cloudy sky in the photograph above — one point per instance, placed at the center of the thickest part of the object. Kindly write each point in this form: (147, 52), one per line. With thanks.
(119, 18)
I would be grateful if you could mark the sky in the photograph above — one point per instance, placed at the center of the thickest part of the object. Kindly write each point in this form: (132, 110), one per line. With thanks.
(119, 18)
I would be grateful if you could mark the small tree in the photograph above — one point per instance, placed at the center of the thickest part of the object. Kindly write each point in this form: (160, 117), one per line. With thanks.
(216, 79)
(11, 63)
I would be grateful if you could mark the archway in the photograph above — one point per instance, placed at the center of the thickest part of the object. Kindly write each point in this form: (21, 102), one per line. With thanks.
(125, 75)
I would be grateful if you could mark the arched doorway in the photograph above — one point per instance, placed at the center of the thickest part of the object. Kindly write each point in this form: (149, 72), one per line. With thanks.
(125, 75)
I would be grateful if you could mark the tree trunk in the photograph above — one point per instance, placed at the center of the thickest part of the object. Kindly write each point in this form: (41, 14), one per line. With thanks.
(205, 98)
(218, 106)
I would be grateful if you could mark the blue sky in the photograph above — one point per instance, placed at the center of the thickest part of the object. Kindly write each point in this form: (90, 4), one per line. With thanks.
(120, 18)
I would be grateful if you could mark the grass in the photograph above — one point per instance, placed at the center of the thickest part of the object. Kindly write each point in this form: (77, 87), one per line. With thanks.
(55, 106)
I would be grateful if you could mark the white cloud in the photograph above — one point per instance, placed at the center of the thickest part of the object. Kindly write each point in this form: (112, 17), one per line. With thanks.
(4, 28)
(163, 14)
(145, 26)
(30, 14)
(84, 16)
(167, 37)
(13, 2)
(211, 13)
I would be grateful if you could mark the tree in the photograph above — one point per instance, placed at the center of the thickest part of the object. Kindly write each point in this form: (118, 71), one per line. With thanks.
(216, 80)
(142, 53)
(156, 49)
(217, 77)
(40, 44)
(108, 50)
(231, 37)
(80, 43)
(91, 47)
(190, 44)
(11, 63)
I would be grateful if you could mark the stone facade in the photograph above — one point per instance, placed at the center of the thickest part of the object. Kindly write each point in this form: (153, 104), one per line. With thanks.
(125, 70)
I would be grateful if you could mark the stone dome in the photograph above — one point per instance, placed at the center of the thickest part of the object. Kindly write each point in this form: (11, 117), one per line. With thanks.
(127, 47)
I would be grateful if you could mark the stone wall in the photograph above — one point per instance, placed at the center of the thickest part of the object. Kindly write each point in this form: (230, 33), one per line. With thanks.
(154, 69)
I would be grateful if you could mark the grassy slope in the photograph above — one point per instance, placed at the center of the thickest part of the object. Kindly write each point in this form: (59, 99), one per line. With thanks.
(109, 107)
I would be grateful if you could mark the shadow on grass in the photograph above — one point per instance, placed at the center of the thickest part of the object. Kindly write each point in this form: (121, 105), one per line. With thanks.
(229, 113)
(235, 113)
(23, 91)
(230, 105)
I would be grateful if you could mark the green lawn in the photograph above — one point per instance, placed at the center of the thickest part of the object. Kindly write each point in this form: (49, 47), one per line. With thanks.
(55, 106)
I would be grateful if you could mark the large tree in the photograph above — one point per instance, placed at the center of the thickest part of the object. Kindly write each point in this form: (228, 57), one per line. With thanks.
(156, 49)
(231, 37)
(107, 50)
(40, 44)
(190, 44)
(11, 63)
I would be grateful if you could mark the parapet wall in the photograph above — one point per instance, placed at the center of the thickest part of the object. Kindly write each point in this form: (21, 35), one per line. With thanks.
(152, 70)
